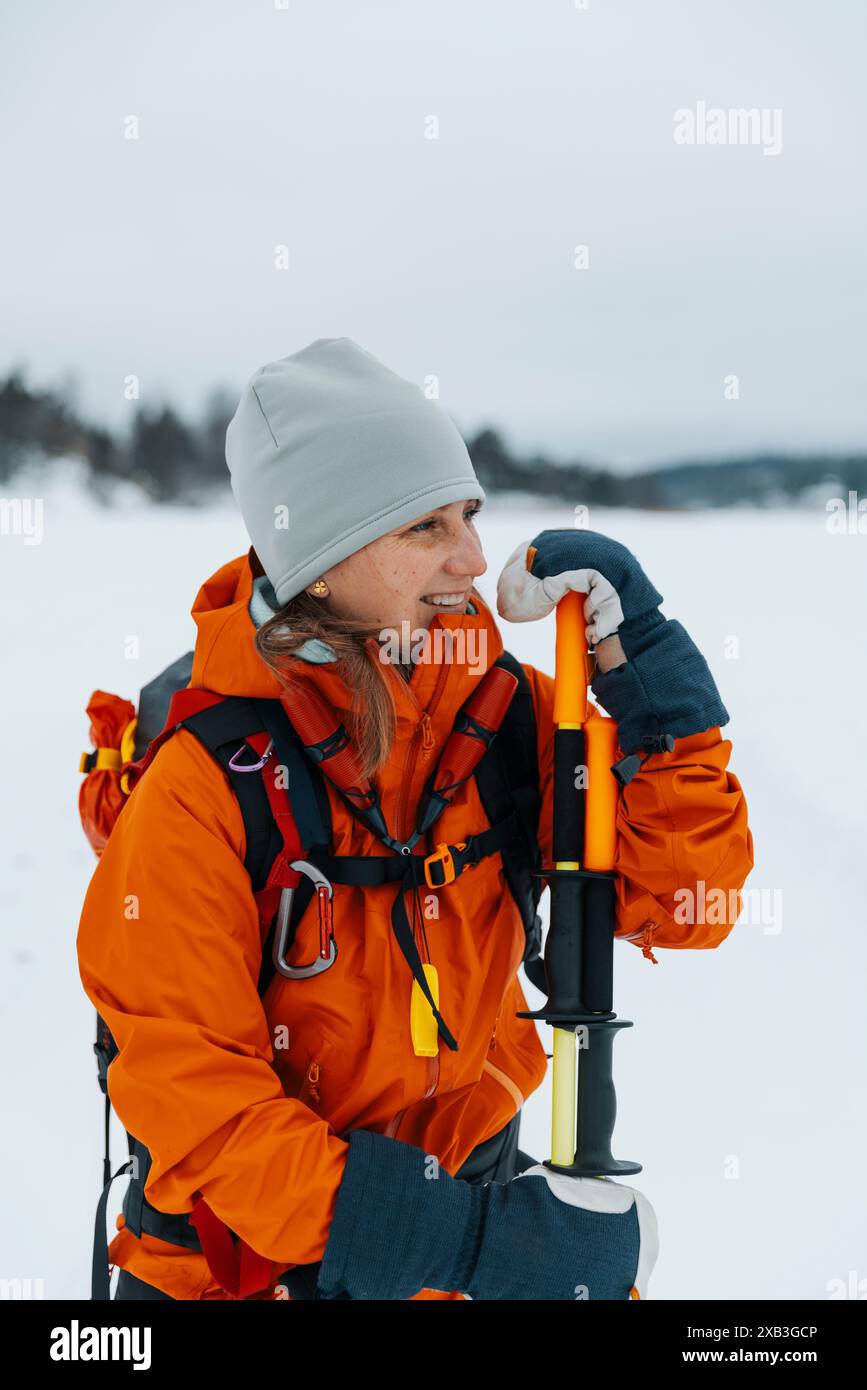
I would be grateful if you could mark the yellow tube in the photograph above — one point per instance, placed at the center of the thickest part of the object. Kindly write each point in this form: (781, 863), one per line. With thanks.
(565, 1098)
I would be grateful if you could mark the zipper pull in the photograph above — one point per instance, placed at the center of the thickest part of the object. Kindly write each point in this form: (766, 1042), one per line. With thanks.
(427, 741)
(313, 1080)
(646, 942)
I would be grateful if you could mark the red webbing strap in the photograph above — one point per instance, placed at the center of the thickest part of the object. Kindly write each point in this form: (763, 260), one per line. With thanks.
(281, 809)
(182, 704)
(280, 875)
(237, 1268)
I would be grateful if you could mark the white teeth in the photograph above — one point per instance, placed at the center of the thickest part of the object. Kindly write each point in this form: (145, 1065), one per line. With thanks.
(444, 600)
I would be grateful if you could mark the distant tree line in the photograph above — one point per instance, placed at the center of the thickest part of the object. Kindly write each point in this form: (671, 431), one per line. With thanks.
(171, 459)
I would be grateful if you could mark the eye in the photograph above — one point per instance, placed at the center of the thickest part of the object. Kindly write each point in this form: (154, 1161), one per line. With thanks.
(469, 515)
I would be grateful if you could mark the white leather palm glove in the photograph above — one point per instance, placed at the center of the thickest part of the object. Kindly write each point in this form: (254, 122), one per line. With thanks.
(606, 1195)
(663, 689)
(522, 597)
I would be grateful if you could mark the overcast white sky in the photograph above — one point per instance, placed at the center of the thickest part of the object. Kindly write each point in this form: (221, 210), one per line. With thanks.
(305, 126)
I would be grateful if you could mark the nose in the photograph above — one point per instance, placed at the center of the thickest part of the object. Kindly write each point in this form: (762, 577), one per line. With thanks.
(466, 557)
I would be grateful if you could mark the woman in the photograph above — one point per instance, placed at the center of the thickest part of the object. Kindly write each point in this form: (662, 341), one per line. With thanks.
(308, 1119)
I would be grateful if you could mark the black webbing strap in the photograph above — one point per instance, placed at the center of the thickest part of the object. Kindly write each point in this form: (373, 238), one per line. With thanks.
(368, 871)
(408, 870)
(100, 1277)
(405, 939)
(496, 838)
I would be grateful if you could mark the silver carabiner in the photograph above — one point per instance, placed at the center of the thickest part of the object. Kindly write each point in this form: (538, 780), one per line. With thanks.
(284, 911)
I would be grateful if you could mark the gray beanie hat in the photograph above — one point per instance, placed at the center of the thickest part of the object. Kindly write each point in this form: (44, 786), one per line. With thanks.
(328, 450)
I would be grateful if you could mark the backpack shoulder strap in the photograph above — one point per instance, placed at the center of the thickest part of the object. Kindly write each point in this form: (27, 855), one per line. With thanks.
(311, 811)
(224, 729)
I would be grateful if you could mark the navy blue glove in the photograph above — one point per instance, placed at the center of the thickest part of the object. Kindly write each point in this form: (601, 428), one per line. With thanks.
(665, 687)
(402, 1224)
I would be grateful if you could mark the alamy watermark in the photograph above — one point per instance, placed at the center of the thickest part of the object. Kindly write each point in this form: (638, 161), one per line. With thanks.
(846, 518)
(11, 1289)
(22, 516)
(440, 647)
(853, 1286)
(735, 125)
(759, 907)
(77, 1343)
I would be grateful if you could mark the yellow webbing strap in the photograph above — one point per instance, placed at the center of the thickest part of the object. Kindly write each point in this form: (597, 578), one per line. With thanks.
(112, 759)
(105, 758)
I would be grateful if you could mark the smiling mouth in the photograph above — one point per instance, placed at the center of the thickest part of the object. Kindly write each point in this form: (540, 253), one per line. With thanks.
(455, 603)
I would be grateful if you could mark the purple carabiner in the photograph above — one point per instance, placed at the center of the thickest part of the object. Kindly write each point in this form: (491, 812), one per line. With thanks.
(250, 767)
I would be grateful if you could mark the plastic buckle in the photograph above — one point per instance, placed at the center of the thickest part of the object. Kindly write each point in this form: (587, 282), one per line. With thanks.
(442, 857)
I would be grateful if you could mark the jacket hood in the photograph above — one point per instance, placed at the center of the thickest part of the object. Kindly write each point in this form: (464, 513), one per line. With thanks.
(445, 675)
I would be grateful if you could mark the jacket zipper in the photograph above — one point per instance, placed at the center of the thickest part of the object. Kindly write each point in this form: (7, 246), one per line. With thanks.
(492, 1045)
(412, 752)
(496, 1072)
(433, 1076)
(427, 742)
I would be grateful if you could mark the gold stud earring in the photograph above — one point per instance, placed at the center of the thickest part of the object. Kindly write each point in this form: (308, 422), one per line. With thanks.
(320, 588)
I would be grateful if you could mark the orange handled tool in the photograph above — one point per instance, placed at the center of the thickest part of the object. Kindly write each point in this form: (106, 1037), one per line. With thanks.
(579, 949)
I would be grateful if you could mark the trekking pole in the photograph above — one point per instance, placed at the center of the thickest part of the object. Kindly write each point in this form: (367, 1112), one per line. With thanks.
(579, 950)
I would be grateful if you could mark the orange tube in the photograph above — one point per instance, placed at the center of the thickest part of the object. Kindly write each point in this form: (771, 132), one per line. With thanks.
(570, 672)
(600, 827)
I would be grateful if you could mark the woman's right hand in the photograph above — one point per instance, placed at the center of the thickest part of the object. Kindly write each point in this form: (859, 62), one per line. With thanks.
(402, 1224)
(548, 1235)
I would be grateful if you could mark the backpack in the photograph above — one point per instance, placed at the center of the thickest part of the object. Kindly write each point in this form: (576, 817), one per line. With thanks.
(241, 734)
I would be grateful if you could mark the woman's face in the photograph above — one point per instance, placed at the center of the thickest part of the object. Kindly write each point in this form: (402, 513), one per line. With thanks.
(395, 577)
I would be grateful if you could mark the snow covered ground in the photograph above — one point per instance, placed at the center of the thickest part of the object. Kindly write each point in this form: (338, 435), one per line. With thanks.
(740, 1086)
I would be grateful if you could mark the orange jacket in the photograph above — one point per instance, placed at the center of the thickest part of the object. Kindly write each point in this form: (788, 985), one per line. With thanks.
(244, 1100)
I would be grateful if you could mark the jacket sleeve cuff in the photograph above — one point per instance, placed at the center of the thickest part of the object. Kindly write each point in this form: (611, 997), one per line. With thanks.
(665, 687)
(400, 1224)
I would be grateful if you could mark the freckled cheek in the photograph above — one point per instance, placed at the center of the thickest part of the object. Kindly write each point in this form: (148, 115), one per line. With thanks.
(392, 579)
(403, 574)
(406, 580)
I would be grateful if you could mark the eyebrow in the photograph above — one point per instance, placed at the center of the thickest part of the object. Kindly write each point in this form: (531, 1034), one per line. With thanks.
(476, 502)
(470, 502)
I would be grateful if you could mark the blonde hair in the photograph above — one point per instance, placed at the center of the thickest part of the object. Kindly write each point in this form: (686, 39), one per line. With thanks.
(355, 645)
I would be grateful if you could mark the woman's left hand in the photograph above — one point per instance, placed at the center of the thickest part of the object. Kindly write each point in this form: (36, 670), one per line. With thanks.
(619, 594)
(664, 687)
